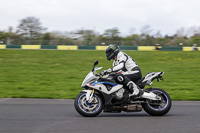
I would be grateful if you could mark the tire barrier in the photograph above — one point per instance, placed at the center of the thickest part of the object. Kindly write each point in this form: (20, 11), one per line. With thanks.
(74, 47)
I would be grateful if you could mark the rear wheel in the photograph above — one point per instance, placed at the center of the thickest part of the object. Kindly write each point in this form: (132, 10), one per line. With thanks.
(87, 109)
(160, 107)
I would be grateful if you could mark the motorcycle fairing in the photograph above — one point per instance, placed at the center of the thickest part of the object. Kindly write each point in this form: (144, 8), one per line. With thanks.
(101, 87)
(106, 83)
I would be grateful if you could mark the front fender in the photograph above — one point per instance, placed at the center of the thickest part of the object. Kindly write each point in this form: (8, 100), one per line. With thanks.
(89, 95)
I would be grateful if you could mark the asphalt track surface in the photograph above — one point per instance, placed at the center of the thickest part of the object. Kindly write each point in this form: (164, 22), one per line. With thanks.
(59, 116)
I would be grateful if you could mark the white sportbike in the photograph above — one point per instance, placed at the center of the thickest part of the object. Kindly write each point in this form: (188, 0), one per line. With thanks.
(103, 93)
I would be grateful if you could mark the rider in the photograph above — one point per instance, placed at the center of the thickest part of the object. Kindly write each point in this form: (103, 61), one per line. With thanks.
(127, 71)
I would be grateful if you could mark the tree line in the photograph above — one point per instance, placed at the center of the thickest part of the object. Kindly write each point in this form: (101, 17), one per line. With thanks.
(30, 31)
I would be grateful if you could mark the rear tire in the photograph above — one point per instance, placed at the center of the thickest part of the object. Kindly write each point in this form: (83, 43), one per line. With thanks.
(158, 108)
(88, 109)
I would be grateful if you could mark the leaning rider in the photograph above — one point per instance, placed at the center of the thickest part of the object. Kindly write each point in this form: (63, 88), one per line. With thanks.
(127, 71)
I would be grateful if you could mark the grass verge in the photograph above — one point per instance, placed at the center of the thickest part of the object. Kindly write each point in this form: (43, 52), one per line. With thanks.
(59, 74)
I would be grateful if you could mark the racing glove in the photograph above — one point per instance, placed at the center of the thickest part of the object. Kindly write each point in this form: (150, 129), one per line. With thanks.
(105, 72)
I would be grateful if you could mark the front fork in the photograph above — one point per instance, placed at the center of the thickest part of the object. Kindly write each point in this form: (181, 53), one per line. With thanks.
(89, 95)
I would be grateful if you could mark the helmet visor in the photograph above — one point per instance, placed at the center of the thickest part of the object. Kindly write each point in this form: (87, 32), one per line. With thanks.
(109, 55)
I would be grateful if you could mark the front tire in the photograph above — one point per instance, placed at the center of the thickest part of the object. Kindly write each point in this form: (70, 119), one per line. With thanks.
(88, 109)
(158, 108)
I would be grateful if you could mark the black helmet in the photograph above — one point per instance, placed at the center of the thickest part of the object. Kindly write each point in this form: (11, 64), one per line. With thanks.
(111, 51)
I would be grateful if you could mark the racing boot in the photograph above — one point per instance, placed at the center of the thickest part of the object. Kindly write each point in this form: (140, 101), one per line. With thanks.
(134, 89)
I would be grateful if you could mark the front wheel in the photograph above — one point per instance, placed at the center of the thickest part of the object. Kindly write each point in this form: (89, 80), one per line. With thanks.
(87, 109)
(158, 108)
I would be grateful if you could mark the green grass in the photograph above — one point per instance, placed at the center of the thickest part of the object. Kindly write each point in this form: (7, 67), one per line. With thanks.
(59, 74)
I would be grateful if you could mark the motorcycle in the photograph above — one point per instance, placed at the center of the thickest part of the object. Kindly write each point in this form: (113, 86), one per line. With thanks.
(101, 92)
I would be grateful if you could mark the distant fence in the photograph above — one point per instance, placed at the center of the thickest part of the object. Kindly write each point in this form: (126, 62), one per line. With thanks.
(74, 47)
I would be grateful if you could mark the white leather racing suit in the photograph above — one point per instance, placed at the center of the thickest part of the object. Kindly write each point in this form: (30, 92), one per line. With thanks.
(124, 64)
(129, 72)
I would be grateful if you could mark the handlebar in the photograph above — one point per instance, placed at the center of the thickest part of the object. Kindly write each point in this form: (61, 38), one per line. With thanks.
(99, 75)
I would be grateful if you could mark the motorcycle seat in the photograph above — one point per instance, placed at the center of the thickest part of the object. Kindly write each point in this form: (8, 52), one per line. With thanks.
(139, 81)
